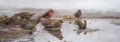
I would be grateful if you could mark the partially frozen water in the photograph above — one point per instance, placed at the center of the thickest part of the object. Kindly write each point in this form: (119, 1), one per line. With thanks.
(98, 30)
(107, 32)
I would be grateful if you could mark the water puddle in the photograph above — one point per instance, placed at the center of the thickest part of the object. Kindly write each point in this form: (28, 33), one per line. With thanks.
(85, 31)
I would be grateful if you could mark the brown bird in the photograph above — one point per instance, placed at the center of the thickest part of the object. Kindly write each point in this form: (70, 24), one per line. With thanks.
(48, 14)
(78, 14)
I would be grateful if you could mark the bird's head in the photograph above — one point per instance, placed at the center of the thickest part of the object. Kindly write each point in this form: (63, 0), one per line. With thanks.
(51, 12)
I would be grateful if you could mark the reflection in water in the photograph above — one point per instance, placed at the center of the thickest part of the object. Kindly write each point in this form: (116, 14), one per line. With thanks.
(115, 23)
(85, 31)
(55, 31)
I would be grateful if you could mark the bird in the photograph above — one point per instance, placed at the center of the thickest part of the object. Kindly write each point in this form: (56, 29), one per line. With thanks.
(48, 14)
(78, 14)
